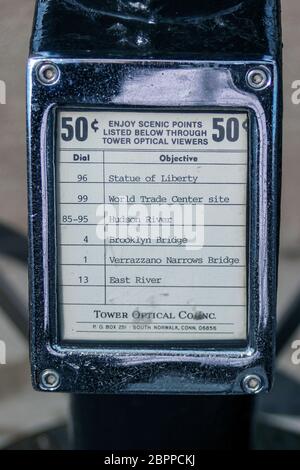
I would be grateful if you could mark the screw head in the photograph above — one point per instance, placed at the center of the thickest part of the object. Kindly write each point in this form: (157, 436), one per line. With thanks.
(49, 380)
(259, 79)
(48, 73)
(252, 384)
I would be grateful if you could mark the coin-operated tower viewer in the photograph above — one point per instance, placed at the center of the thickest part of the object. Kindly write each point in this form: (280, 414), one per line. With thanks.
(154, 150)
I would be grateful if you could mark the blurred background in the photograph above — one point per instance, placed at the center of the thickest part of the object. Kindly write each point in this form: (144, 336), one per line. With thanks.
(24, 412)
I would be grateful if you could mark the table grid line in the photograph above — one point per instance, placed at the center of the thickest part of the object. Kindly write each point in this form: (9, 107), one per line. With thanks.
(106, 245)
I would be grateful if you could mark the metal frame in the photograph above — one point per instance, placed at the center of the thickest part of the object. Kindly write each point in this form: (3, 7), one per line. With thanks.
(179, 369)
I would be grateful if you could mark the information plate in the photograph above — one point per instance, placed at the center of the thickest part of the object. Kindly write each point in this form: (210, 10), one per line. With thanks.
(151, 225)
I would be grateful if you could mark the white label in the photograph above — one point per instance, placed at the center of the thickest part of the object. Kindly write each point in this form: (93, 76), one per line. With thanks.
(151, 225)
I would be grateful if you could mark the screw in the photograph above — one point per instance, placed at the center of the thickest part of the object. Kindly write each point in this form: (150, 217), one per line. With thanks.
(48, 73)
(259, 79)
(50, 379)
(252, 384)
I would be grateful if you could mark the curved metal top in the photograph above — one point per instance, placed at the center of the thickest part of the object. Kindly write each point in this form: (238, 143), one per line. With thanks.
(152, 28)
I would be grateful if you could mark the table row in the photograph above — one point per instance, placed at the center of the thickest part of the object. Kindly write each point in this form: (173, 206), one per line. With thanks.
(82, 235)
(153, 295)
(152, 276)
(139, 214)
(145, 157)
(156, 256)
(152, 193)
(149, 173)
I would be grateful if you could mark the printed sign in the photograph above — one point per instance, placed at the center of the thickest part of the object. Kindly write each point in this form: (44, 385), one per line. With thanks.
(151, 225)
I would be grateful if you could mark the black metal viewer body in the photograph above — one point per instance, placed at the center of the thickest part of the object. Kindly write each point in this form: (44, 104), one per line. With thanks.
(154, 104)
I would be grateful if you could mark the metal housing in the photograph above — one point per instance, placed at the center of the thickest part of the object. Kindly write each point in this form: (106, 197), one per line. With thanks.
(168, 81)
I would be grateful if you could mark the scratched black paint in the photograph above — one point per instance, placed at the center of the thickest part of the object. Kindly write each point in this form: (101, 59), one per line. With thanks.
(184, 35)
(149, 28)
